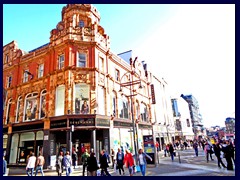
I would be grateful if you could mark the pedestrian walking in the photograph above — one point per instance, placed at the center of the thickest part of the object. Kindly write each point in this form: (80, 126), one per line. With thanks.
(31, 164)
(74, 159)
(165, 150)
(217, 151)
(232, 150)
(92, 165)
(67, 163)
(141, 159)
(227, 153)
(120, 161)
(104, 164)
(85, 157)
(4, 167)
(129, 161)
(59, 164)
(195, 147)
(40, 163)
(208, 151)
(113, 157)
(171, 151)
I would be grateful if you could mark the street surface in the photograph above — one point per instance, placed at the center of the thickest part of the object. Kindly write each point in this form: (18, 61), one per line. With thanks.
(190, 166)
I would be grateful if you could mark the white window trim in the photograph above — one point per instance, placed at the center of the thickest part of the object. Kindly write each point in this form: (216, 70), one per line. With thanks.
(60, 61)
(77, 59)
(17, 111)
(40, 70)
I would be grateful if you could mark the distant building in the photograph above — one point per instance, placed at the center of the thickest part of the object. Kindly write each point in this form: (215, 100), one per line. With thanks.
(230, 127)
(181, 115)
(195, 115)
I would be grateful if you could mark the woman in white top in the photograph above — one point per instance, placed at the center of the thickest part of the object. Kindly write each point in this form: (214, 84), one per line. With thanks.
(141, 159)
(31, 164)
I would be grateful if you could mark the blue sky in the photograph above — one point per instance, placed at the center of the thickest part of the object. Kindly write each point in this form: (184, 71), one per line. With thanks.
(191, 46)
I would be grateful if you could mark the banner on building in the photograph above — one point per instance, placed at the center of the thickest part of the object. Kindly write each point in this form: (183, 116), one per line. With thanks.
(153, 94)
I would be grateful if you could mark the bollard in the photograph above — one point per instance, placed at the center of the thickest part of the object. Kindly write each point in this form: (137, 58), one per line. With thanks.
(179, 158)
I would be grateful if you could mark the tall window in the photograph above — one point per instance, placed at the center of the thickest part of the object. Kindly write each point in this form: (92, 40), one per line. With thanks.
(40, 70)
(188, 123)
(123, 108)
(6, 58)
(101, 100)
(42, 113)
(81, 93)
(81, 60)
(61, 61)
(114, 104)
(25, 76)
(117, 75)
(81, 23)
(60, 99)
(30, 107)
(9, 81)
(137, 111)
(101, 64)
(144, 115)
(19, 109)
(8, 111)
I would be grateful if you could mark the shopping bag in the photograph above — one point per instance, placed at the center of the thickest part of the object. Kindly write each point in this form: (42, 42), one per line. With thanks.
(138, 169)
(99, 172)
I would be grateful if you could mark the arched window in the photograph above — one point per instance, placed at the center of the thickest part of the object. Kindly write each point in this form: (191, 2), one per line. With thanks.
(42, 112)
(60, 99)
(30, 107)
(123, 108)
(144, 114)
(19, 109)
(9, 104)
(137, 111)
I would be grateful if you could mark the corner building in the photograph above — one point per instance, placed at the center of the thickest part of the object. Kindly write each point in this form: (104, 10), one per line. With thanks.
(72, 80)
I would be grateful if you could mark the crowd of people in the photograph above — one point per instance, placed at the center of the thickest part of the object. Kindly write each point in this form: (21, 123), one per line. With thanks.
(220, 148)
(93, 167)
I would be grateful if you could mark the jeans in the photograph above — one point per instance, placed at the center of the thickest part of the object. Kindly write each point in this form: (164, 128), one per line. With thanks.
(196, 151)
(30, 171)
(143, 169)
(39, 168)
(68, 171)
(172, 156)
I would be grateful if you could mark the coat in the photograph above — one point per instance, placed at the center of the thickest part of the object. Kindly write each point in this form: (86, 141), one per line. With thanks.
(59, 165)
(120, 161)
(128, 160)
(103, 161)
(92, 164)
(144, 158)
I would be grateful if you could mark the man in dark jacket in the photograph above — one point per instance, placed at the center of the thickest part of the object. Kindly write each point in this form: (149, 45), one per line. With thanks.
(104, 163)
(217, 151)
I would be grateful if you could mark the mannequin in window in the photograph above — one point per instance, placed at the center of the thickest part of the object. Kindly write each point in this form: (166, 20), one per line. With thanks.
(28, 112)
(77, 105)
(43, 110)
(85, 108)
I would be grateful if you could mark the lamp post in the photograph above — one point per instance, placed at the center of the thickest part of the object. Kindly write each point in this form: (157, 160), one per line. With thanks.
(131, 84)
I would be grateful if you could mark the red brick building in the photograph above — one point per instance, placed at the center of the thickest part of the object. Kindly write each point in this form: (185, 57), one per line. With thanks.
(72, 80)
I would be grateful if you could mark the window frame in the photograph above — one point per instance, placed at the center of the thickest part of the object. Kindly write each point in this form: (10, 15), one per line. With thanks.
(25, 76)
(61, 61)
(40, 70)
(79, 61)
(9, 81)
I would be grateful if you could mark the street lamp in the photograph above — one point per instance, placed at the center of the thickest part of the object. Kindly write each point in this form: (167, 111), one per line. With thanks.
(131, 84)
